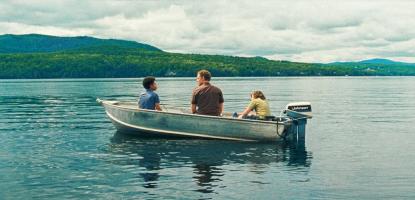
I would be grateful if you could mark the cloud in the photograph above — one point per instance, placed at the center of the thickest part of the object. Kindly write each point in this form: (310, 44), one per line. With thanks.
(18, 28)
(310, 31)
(170, 28)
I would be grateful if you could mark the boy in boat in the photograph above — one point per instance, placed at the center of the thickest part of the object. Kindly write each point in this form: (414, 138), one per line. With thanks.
(259, 104)
(149, 99)
(206, 98)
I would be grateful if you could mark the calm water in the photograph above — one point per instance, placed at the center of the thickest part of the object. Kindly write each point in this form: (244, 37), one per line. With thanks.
(56, 143)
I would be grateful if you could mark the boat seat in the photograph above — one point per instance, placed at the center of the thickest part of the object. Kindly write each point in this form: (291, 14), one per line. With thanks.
(270, 118)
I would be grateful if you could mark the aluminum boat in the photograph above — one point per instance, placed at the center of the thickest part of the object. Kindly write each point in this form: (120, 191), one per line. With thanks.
(175, 122)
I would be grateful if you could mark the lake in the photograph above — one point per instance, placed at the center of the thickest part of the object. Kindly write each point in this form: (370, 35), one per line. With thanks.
(57, 143)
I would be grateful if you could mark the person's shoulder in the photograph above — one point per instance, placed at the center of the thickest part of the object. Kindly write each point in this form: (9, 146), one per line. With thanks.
(257, 100)
(196, 89)
(215, 87)
(263, 101)
(200, 88)
(154, 94)
(150, 93)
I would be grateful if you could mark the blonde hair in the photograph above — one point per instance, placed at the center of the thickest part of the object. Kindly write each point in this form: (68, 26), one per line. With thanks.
(258, 94)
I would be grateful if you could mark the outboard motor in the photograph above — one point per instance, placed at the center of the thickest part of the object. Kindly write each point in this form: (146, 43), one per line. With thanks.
(299, 112)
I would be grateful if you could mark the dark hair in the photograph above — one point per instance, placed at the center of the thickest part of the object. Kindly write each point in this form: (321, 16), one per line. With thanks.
(205, 74)
(148, 81)
(258, 94)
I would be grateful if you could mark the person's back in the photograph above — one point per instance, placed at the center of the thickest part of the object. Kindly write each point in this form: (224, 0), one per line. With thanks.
(206, 98)
(259, 104)
(149, 99)
(261, 107)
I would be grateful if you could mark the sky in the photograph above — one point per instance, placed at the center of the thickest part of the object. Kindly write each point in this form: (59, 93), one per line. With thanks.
(295, 30)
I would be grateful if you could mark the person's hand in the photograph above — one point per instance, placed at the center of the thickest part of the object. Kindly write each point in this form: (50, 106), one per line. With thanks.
(240, 117)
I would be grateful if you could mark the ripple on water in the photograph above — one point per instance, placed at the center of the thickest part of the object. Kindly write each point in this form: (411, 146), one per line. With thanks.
(56, 142)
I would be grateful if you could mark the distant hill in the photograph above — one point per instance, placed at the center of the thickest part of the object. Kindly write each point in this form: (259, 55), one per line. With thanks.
(35, 43)
(41, 56)
(379, 61)
(374, 61)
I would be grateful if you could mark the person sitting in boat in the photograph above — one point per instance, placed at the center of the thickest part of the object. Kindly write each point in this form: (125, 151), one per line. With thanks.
(259, 104)
(206, 98)
(149, 99)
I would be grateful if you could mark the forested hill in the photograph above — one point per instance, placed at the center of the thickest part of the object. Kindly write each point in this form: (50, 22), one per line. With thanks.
(34, 43)
(117, 58)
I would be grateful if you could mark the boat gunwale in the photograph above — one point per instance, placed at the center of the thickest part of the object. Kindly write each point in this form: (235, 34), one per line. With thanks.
(288, 121)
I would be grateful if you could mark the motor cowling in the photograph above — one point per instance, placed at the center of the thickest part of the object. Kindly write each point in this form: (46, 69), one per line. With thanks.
(299, 110)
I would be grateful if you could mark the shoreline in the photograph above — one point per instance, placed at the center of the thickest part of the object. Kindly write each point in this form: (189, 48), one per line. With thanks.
(188, 78)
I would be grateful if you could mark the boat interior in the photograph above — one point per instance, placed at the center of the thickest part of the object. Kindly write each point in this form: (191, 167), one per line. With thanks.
(171, 109)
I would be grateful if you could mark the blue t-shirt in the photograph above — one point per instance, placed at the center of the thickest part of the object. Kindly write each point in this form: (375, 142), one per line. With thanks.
(148, 100)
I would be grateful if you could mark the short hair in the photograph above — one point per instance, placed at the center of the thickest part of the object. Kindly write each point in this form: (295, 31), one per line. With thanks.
(148, 81)
(258, 94)
(205, 74)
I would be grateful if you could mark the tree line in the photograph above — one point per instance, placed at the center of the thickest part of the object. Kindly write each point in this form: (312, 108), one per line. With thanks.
(117, 62)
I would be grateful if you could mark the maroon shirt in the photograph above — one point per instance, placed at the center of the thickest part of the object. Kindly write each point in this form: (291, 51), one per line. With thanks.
(207, 99)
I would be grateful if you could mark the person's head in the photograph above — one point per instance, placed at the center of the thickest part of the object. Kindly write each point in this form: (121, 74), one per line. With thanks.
(203, 76)
(257, 94)
(149, 82)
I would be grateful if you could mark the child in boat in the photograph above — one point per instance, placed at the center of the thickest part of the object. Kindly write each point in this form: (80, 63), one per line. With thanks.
(149, 99)
(259, 104)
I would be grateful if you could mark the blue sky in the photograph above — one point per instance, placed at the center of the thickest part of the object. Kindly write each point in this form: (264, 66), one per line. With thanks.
(302, 30)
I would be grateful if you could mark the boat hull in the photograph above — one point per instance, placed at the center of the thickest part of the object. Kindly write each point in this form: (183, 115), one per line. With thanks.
(129, 119)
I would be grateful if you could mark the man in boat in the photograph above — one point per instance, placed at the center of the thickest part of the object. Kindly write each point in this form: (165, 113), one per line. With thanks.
(149, 99)
(206, 98)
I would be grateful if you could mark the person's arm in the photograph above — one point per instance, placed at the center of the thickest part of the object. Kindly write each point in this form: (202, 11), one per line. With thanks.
(221, 109)
(221, 101)
(157, 102)
(193, 101)
(245, 112)
(248, 109)
(158, 107)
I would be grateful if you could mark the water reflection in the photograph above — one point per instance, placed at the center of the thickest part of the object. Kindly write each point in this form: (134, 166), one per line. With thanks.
(205, 175)
(151, 162)
(208, 159)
